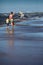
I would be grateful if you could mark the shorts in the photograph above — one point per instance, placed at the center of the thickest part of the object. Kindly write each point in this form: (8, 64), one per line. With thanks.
(12, 23)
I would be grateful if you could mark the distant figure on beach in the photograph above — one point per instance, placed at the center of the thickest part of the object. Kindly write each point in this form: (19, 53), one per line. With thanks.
(11, 18)
(7, 21)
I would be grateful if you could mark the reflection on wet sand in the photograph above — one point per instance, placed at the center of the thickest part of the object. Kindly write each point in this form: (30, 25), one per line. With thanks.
(10, 42)
(11, 36)
(10, 31)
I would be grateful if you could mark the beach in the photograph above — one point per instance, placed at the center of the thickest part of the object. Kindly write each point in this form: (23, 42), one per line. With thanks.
(22, 44)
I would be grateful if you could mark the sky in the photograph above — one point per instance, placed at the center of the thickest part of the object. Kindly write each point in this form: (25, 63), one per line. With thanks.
(21, 5)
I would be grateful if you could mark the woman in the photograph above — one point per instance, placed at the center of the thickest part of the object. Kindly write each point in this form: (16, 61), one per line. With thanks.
(11, 18)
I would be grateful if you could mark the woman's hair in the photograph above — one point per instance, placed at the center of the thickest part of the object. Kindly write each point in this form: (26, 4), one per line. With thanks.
(11, 12)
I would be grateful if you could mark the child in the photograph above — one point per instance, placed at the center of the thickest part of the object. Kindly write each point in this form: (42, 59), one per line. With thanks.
(7, 22)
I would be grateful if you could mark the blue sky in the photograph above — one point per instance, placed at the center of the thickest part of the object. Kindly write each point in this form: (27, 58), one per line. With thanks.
(21, 5)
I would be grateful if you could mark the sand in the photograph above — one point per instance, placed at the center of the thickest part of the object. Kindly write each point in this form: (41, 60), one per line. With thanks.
(21, 45)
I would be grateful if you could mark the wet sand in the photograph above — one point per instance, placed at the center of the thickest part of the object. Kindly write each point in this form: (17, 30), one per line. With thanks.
(21, 45)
